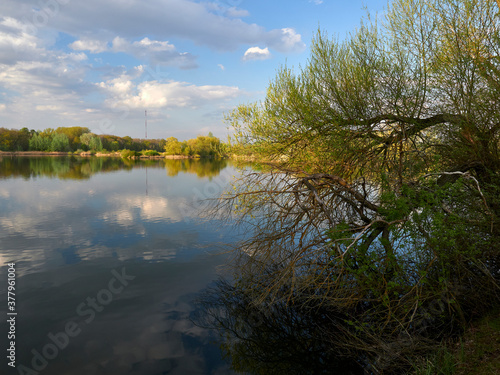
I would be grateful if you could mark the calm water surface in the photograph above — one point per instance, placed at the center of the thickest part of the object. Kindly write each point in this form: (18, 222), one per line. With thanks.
(113, 254)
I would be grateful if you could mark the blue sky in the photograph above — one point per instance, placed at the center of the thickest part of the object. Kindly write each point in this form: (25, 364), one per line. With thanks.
(102, 63)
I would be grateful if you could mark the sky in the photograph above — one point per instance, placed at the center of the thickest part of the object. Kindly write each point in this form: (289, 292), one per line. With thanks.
(102, 64)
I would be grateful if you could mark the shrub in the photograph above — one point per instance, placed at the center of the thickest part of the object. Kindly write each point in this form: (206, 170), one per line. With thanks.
(150, 153)
(129, 154)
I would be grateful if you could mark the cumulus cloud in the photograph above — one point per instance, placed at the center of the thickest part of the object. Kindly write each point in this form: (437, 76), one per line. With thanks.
(256, 53)
(93, 46)
(177, 94)
(48, 108)
(15, 44)
(120, 44)
(154, 94)
(38, 76)
(26, 62)
(156, 52)
(285, 40)
(222, 29)
(291, 40)
(41, 77)
(47, 87)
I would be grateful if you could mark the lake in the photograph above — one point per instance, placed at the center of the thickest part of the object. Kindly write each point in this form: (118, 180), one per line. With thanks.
(110, 256)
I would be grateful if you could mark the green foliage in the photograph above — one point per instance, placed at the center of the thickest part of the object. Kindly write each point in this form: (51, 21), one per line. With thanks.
(441, 363)
(91, 141)
(150, 153)
(14, 140)
(73, 133)
(383, 206)
(40, 142)
(95, 144)
(114, 146)
(370, 102)
(129, 154)
(173, 146)
(201, 146)
(60, 142)
(76, 137)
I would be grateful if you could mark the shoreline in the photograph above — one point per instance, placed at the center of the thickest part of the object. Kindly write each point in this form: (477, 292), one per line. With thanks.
(89, 154)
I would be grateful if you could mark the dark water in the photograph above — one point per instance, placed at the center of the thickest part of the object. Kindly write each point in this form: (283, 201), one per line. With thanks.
(109, 257)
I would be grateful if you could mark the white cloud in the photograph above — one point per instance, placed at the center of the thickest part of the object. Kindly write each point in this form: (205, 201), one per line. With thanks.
(157, 52)
(154, 45)
(15, 44)
(153, 94)
(217, 27)
(256, 53)
(40, 84)
(119, 86)
(222, 67)
(28, 67)
(46, 86)
(123, 91)
(48, 108)
(39, 77)
(93, 46)
(291, 40)
(316, 2)
(285, 40)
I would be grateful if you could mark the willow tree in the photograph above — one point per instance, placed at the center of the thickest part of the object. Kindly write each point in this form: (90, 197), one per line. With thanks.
(381, 203)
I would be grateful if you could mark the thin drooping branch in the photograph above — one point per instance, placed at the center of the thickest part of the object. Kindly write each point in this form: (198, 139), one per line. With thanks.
(361, 198)
(415, 125)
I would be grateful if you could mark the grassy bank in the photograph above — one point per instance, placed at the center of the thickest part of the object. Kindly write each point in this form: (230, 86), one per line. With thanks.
(477, 352)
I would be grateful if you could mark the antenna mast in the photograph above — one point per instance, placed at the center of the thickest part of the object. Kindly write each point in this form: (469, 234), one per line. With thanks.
(146, 122)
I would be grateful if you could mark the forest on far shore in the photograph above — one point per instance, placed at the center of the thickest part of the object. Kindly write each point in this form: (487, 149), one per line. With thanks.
(78, 139)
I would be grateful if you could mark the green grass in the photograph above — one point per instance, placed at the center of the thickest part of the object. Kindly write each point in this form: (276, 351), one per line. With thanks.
(444, 362)
(476, 353)
(482, 348)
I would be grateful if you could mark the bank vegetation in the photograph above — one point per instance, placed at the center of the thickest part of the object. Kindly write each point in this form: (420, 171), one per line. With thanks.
(374, 234)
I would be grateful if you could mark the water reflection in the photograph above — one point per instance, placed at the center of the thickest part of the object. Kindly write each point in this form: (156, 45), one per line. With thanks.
(59, 167)
(145, 329)
(200, 167)
(54, 221)
(68, 222)
(272, 336)
(79, 168)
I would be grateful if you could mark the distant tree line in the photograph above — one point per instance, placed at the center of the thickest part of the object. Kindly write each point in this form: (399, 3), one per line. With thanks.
(76, 138)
